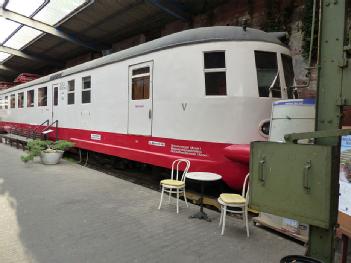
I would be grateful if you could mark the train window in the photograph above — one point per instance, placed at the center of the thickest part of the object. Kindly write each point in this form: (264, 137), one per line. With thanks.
(70, 92)
(20, 99)
(214, 59)
(139, 71)
(288, 74)
(86, 89)
(215, 83)
(13, 101)
(43, 96)
(6, 102)
(215, 73)
(30, 98)
(141, 83)
(55, 100)
(267, 74)
(1, 103)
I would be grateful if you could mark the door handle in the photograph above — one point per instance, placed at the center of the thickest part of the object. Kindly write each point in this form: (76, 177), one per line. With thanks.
(261, 163)
(150, 114)
(306, 175)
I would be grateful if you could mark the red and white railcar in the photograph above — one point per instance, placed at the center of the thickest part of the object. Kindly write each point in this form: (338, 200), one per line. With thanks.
(203, 94)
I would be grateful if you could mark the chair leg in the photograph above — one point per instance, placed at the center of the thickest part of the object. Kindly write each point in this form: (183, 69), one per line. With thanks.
(223, 219)
(221, 216)
(244, 215)
(186, 201)
(247, 222)
(163, 189)
(169, 195)
(177, 201)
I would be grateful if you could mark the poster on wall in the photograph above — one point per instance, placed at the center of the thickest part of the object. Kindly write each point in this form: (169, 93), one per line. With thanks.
(345, 176)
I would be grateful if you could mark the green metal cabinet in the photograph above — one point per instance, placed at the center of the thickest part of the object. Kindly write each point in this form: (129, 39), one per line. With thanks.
(292, 180)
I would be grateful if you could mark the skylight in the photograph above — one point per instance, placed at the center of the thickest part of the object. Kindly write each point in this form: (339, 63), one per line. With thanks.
(56, 10)
(51, 12)
(22, 37)
(24, 7)
(7, 27)
(4, 56)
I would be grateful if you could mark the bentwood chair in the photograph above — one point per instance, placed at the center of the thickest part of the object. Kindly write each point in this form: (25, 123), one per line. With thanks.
(236, 204)
(177, 182)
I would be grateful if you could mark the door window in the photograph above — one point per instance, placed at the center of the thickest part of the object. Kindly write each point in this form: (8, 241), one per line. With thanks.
(141, 83)
(55, 96)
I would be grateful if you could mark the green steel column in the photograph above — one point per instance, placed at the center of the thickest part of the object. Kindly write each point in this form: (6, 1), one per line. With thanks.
(329, 105)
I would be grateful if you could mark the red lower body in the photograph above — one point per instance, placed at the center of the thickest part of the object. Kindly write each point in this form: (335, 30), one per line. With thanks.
(230, 161)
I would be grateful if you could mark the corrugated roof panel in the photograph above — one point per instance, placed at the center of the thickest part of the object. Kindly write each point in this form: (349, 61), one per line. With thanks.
(23, 64)
(43, 44)
(7, 27)
(24, 7)
(22, 37)
(4, 56)
(56, 10)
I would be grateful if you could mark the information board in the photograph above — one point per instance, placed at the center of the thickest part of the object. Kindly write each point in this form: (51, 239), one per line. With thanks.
(345, 185)
(345, 176)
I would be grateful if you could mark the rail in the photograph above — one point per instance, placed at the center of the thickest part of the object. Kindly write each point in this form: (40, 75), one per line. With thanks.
(56, 128)
(34, 133)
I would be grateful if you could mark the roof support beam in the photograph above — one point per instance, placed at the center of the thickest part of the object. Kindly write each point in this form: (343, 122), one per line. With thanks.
(44, 28)
(22, 54)
(172, 8)
(5, 68)
(5, 3)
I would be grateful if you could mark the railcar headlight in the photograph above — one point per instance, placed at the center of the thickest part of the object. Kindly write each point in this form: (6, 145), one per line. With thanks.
(264, 128)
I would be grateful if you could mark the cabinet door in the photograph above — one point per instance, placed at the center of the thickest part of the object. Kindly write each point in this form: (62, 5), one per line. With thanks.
(292, 181)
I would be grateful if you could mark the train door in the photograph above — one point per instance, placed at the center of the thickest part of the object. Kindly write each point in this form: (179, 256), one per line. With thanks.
(55, 99)
(140, 99)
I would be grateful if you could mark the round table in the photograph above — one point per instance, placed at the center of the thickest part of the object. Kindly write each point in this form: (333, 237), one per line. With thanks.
(202, 177)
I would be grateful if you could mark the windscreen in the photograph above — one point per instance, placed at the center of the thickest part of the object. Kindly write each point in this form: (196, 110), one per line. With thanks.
(289, 75)
(267, 74)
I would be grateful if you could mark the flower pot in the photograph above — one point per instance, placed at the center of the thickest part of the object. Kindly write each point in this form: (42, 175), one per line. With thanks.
(52, 157)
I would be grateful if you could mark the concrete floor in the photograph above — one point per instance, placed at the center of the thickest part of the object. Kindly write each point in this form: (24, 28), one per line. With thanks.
(69, 213)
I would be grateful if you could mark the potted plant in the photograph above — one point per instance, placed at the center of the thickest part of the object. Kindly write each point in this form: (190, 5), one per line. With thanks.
(50, 152)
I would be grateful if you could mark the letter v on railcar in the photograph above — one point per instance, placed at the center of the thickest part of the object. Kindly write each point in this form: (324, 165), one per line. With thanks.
(202, 94)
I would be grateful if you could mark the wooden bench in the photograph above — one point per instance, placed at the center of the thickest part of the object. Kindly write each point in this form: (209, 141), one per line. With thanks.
(18, 137)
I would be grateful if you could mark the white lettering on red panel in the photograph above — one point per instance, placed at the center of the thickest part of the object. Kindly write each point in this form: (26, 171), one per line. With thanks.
(95, 137)
(188, 150)
(154, 143)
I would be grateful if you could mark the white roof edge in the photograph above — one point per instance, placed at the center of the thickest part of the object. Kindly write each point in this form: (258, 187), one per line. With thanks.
(186, 37)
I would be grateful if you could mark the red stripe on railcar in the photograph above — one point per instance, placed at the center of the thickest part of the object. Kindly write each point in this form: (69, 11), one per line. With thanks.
(230, 161)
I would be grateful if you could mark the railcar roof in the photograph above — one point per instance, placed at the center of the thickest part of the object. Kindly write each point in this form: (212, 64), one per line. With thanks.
(186, 37)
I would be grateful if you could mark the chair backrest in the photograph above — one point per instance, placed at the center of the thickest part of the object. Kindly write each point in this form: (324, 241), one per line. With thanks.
(245, 186)
(176, 166)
